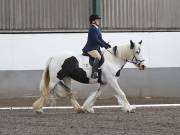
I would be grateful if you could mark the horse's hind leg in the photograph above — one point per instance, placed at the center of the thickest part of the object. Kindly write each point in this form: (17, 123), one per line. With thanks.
(43, 100)
(38, 105)
(61, 90)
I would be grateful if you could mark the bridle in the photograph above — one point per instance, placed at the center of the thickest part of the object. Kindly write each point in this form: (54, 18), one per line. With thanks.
(136, 62)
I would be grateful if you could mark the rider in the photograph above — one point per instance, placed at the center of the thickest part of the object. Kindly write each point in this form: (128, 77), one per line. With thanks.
(94, 43)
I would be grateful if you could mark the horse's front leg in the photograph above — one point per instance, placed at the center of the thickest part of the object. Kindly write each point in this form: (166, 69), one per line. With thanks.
(122, 100)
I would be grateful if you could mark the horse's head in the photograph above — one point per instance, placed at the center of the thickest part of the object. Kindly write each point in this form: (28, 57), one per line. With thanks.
(130, 53)
(135, 56)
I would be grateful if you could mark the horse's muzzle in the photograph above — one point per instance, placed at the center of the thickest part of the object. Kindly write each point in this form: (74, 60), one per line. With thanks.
(141, 67)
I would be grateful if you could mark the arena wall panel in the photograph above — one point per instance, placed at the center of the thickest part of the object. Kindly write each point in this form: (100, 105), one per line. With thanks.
(23, 58)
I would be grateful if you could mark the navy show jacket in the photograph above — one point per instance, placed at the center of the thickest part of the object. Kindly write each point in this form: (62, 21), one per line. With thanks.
(95, 40)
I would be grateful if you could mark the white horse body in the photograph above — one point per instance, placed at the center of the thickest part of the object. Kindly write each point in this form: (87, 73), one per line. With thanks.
(115, 59)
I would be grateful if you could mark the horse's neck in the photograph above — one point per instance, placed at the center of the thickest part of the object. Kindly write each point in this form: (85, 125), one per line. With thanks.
(124, 52)
(110, 58)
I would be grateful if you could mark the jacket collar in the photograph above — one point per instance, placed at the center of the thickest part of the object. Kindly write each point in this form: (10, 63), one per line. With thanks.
(95, 26)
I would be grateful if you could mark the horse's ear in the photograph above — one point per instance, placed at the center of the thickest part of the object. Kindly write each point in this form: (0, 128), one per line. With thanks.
(131, 44)
(115, 50)
(140, 42)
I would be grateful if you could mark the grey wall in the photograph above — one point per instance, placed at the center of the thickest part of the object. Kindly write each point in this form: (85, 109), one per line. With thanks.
(139, 15)
(155, 82)
(72, 15)
(44, 15)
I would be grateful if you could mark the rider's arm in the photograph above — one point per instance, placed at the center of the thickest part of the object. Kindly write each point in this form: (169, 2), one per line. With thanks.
(102, 40)
(95, 37)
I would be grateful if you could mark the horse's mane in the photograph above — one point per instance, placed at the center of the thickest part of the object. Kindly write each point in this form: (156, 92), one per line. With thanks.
(124, 51)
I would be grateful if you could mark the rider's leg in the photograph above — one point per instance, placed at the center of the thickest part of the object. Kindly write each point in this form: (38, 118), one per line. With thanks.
(95, 68)
(95, 54)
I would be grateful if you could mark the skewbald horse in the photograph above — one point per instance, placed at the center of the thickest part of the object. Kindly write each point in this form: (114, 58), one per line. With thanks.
(114, 60)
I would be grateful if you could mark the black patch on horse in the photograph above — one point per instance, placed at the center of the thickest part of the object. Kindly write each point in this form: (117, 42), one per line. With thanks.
(71, 69)
(118, 73)
(115, 50)
(131, 44)
(79, 75)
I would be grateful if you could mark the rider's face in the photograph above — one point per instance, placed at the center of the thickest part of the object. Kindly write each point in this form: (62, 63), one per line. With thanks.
(97, 22)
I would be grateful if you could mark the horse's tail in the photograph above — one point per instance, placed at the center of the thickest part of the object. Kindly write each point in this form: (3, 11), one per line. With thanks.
(44, 84)
(44, 88)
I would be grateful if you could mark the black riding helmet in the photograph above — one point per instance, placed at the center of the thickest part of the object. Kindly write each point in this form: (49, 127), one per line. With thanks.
(93, 18)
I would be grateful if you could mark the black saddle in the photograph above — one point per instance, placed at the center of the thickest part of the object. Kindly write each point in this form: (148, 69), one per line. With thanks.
(91, 59)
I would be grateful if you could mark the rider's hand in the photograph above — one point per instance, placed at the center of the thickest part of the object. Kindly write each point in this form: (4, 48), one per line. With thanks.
(108, 45)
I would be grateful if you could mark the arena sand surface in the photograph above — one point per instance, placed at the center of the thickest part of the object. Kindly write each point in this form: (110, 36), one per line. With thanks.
(108, 121)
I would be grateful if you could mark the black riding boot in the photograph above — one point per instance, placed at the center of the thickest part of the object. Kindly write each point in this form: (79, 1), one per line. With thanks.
(94, 74)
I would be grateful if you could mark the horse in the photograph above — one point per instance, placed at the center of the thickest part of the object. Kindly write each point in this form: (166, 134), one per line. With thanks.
(114, 60)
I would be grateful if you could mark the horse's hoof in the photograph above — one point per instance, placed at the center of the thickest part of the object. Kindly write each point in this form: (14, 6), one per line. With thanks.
(39, 111)
(89, 110)
(131, 109)
(79, 110)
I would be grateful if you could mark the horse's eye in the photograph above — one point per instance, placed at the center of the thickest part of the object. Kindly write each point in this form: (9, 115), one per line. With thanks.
(137, 52)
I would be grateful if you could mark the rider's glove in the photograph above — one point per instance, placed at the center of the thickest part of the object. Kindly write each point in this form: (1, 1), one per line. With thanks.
(108, 46)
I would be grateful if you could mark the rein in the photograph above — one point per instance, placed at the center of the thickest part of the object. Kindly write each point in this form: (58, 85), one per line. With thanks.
(109, 52)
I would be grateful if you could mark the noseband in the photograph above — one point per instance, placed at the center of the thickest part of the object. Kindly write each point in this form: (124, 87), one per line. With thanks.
(136, 62)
